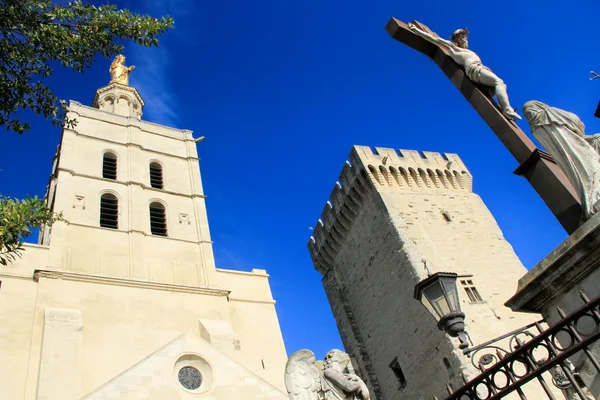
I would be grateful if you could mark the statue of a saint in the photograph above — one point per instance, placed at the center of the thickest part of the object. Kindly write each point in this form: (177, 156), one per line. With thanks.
(471, 63)
(334, 379)
(119, 73)
(562, 134)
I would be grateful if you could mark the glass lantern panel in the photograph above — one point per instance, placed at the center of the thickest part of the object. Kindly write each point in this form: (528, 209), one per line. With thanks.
(429, 307)
(451, 292)
(435, 294)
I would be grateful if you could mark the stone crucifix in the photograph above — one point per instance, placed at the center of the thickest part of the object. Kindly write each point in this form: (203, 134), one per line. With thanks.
(478, 84)
(458, 48)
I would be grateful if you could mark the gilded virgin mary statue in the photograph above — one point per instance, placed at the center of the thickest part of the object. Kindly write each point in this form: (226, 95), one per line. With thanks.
(119, 73)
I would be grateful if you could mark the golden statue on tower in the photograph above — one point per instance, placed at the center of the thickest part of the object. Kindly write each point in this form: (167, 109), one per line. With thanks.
(119, 73)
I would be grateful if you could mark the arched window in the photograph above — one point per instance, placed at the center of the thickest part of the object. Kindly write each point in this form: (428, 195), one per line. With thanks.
(433, 178)
(414, 176)
(405, 176)
(459, 180)
(109, 166)
(109, 211)
(396, 176)
(451, 180)
(375, 174)
(156, 175)
(158, 220)
(442, 178)
(384, 174)
(424, 177)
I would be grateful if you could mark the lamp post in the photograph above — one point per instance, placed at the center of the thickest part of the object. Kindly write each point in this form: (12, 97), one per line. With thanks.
(439, 295)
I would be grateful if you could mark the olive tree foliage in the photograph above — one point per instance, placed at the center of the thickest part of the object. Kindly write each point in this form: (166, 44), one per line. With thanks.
(37, 36)
(17, 218)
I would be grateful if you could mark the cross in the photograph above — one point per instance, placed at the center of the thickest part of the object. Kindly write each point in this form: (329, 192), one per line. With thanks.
(596, 76)
(535, 165)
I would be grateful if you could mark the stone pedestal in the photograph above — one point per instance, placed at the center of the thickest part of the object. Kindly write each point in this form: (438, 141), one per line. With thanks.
(119, 99)
(556, 281)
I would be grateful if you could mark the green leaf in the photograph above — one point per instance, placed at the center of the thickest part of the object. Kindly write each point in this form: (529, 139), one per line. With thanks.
(36, 33)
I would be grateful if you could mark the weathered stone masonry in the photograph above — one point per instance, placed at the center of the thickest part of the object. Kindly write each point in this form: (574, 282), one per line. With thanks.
(390, 211)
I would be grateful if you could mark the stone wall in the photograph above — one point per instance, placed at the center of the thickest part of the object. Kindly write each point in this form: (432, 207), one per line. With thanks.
(392, 211)
(90, 302)
(131, 251)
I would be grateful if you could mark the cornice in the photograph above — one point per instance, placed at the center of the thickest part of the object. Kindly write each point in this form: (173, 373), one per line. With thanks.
(116, 87)
(127, 231)
(76, 108)
(132, 183)
(131, 144)
(104, 280)
(240, 299)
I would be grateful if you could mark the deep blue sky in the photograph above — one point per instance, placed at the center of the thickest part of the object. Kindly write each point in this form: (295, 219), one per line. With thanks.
(283, 89)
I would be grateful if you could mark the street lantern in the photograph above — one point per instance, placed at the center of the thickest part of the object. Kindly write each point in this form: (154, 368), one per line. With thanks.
(439, 295)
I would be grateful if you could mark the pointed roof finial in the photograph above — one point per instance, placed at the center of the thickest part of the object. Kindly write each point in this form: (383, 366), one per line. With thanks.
(424, 261)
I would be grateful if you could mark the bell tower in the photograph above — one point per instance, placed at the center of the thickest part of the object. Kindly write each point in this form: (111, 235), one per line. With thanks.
(131, 193)
(123, 299)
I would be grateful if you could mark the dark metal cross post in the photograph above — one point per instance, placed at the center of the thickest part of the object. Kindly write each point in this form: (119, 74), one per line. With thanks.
(536, 166)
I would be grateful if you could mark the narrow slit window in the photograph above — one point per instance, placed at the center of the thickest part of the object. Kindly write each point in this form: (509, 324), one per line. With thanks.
(156, 175)
(447, 216)
(398, 373)
(158, 220)
(449, 368)
(471, 290)
(109, 211)
(109, 166)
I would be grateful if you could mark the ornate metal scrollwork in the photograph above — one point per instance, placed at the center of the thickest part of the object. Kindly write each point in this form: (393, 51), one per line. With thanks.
(516, 358)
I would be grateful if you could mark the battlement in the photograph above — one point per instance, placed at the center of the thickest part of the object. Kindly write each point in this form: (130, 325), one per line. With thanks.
(413, 169)
(383, 169)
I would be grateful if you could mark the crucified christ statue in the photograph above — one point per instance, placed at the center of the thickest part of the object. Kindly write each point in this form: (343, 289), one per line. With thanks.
(474, 69)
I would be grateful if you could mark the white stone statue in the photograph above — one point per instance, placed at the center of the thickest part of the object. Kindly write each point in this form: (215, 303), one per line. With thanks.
(334, 379)
(471, 63)
(563, 136)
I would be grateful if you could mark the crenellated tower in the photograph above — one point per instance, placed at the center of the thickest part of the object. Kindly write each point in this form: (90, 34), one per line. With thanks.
(391, 212)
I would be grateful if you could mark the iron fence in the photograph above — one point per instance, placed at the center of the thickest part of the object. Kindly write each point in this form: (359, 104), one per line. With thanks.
(533, 351)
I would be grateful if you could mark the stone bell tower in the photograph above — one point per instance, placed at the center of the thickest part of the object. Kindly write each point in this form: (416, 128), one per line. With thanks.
(390, 212)
(123, 299)
(142, 180)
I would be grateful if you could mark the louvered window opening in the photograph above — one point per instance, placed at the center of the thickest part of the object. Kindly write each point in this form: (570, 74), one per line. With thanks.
(158, 221)
(109, 166)
(109, 211)
(156, 176)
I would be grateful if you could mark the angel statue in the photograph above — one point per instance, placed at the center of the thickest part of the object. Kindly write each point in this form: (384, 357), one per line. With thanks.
(334, 379)
(119, 73)
(458, 48)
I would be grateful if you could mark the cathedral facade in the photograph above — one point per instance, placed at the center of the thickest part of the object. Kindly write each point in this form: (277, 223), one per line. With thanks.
(123, 300)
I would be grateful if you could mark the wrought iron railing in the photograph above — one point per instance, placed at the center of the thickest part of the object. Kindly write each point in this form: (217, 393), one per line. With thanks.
(530, 354)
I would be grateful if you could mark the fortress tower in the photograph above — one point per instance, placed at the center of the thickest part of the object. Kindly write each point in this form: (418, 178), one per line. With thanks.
(390, 212)
(124, 301)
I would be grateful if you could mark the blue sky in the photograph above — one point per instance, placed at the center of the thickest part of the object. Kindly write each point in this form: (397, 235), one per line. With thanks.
(283, 89)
